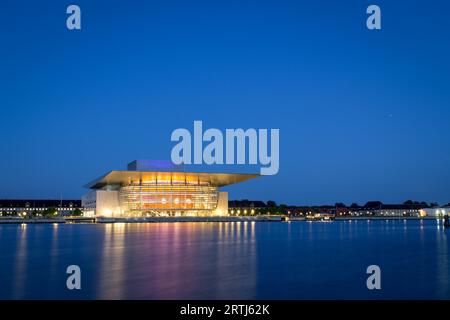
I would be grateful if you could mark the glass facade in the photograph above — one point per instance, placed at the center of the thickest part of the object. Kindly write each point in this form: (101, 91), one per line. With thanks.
(168, 197)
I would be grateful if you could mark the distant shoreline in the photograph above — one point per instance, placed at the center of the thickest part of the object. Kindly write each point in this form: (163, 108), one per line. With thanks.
(194, 219)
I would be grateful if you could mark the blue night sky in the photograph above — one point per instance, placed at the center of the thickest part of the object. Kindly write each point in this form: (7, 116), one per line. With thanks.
(363, 115)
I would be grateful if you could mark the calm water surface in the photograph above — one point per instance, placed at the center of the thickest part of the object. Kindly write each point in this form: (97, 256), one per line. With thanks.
(246, 260)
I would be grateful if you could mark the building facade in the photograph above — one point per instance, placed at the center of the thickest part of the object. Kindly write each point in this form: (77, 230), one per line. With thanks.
(158, 188)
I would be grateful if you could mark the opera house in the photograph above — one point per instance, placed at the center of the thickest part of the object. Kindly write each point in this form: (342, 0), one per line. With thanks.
(158, 188)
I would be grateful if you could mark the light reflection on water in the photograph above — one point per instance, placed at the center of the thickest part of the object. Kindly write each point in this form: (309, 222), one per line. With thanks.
(235, 260)
(20, 262)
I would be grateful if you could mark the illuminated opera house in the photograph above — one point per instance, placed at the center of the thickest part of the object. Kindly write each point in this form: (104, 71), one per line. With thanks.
(158, 188)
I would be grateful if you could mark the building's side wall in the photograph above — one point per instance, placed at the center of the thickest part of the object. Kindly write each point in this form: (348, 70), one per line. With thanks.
(108, 203)
(222, 204)
(101, 203)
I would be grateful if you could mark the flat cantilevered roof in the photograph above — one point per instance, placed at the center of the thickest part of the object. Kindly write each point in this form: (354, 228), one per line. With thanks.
(118, 177)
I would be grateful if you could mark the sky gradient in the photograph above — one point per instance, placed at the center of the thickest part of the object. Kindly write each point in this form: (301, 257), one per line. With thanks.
(363, 115)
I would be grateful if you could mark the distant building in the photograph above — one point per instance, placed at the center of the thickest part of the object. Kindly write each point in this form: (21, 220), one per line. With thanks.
(19, 207)
(379, 209)
(323, 210)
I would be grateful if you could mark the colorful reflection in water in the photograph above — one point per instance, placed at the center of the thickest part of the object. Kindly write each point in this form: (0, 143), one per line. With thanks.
(235, 260)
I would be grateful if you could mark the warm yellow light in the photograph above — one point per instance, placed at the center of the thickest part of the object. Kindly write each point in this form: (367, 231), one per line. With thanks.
(107, 212)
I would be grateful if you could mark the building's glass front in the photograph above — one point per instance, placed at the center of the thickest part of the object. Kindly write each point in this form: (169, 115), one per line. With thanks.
(172, 196)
